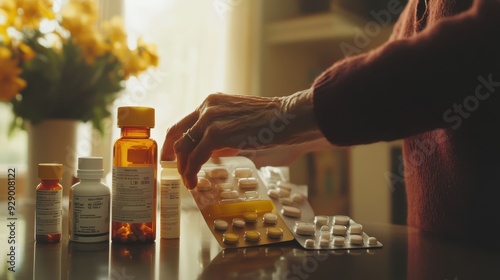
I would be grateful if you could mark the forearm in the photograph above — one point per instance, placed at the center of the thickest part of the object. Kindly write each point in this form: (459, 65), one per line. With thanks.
(300, 125)
(404, 87)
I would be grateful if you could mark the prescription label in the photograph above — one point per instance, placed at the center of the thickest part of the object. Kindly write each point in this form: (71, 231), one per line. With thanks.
(133, 194)
(90, 216)
(170, 208)
(49, 211)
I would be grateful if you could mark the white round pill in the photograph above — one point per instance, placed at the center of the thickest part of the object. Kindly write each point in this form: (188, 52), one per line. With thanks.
(243, 172)
(339, 230)
(321, 220)
(203, 184)
(341, 220)
(218, 173)
(239, 223)
(270, 218)
(324, 242)
(291, 211)
(229, 194)
(248, 183)
(356, 229)
(220, 224)
(356, 239)
(298, 197)
(309, 243)
(338, 241)
(307, 229)
(274, 194)
(372, 241)
(287, 201)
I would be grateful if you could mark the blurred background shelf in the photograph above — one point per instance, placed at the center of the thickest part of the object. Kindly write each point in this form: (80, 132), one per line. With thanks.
(322, 26)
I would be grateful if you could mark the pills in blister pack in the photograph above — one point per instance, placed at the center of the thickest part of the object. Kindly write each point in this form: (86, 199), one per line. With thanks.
(252, 236)
(291, 211)
(217, 173)
(243, 172)
(235, 205)
(356, 229)
(341, 220)
(324, 233)
(274, 232)
(248, 183)
(288, 201)
(250, 217)
(307, 229)
(321, 220)
(239, 223)
(226, 194)
(316, 232)
(220, 225)
(339, 230)
(230, 238)
(203, 184)
(270, 218)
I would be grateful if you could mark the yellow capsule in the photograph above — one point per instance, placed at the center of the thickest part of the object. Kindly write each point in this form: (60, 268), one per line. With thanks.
(275, 232)
(252, 235)
(250, 217)
(230, 238)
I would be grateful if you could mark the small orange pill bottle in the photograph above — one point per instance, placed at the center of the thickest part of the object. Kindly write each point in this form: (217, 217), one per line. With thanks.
(49, 203)
(135, 164)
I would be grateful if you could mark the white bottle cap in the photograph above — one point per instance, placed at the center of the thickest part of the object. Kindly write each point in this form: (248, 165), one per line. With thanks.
(90, 168)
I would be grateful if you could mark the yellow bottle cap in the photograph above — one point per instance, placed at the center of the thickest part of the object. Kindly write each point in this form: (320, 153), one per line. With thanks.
(51, 171)
(135, 116)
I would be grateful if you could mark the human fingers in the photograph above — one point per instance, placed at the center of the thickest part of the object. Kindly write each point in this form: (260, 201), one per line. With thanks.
(225, 152)
(174, 133)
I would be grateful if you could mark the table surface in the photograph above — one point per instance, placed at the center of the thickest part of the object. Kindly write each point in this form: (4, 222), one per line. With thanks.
(407, 254)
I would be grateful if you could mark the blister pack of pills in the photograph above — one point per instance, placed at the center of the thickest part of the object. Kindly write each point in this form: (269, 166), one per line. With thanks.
(312, 231)
(234, 203)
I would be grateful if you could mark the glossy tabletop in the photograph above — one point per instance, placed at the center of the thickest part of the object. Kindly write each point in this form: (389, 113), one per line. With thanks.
(407, 254)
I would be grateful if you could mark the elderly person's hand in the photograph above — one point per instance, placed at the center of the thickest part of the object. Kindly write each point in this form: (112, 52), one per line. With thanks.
(226, 124)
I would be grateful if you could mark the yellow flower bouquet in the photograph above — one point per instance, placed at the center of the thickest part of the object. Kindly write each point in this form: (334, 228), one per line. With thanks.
(62, 63)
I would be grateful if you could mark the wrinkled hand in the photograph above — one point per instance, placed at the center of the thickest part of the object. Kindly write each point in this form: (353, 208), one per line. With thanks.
(226, 124)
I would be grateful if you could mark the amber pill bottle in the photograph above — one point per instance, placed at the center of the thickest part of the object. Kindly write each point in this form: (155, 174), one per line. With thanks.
(135, 154)
(49, 203)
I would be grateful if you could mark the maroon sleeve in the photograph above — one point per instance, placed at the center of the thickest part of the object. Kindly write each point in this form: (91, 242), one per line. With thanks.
(408, 86)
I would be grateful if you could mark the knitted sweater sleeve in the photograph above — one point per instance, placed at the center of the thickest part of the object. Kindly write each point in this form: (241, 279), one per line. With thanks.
(411, 85)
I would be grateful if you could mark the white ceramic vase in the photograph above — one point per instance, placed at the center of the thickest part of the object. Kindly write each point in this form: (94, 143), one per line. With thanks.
(54, 141)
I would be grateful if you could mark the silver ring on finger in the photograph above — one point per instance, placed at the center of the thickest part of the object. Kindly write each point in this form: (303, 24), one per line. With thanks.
(189, 136)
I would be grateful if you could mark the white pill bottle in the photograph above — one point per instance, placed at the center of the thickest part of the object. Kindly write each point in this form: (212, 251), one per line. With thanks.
(170, 192)
(89, 204)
